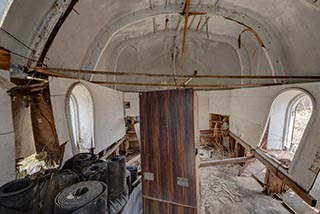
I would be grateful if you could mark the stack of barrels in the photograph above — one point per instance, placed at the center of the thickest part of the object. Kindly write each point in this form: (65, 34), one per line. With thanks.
(84, 185)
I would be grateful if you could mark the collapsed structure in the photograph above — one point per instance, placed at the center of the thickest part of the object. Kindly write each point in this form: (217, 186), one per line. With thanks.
(195, 90)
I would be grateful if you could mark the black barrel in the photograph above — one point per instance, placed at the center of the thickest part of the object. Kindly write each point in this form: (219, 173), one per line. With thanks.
(56, 183)
(129, 181)
(134, 172)
(116, 175)
(68, 164)
(19, 196)
(96, 171)
(116, 204)
(84, 197)
(82, 160)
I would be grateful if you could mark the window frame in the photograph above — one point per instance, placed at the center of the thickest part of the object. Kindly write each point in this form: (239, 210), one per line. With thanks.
(294, 100)
(75, 143)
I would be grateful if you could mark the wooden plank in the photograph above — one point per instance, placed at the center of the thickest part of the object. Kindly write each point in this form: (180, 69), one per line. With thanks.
(167, 129)
(162, 75)
(225, 161)
(186, 19)
(55, 31)
(4, 59)
(156, 206)
(113, 148)
(273, 166)
(309, 199)
(207, 86)
(133, 160)
(241, 142)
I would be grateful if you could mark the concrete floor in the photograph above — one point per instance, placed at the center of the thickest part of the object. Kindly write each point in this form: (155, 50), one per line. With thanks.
(222, 191)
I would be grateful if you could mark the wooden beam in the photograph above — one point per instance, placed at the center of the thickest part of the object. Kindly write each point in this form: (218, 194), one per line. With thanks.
(133, 160)
(206, 86)
(161, 75)
(197, 13)
(50, 73)
(248, 28)
(55, 31)
(273, 166)
(309, 199)
(186, 15)
(240, 141)
(225, 161)
(113, 148)
(4, 59)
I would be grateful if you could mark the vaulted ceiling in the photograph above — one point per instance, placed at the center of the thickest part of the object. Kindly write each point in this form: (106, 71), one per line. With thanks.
(224, 37)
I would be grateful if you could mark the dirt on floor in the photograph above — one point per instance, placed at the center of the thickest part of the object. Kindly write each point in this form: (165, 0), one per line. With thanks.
(224, 192)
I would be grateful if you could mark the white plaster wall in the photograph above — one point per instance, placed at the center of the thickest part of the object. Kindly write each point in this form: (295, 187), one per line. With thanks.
(249, 110)
(133, 98)
(7, 146)
(108, 112)
(217, 102)
(203, 106)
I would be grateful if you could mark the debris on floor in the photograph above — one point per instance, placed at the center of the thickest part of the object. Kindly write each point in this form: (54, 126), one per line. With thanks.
(223, 191)
(233, 189)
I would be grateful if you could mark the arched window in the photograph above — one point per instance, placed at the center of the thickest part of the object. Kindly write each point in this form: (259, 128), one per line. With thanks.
(80, 115)
(299, 113)
(289, 116)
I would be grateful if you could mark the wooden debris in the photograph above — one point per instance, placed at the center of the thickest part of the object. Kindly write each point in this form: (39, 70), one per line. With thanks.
(274, 168)
(4, 59)
(113, 148)
(6, 84)
(225, 161)
(27, 89)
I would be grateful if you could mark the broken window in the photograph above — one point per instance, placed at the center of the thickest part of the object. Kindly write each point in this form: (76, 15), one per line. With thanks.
(80, 106)
(288, 118)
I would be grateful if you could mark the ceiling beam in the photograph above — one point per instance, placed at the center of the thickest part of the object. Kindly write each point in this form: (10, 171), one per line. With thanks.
(51, 71)
(186, 18)
(203, 86)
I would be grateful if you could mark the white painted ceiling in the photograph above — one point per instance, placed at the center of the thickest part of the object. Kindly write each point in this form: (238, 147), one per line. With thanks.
(146, 36)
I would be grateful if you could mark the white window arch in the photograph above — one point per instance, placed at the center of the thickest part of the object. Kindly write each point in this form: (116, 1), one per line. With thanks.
(289, 116)
(81, 118)
(298, 114)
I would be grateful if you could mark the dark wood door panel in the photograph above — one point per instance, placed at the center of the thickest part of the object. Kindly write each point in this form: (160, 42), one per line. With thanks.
(157, 207)
(168, 154)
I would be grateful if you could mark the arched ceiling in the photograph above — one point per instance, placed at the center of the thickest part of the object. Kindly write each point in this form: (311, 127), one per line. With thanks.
(146, 36)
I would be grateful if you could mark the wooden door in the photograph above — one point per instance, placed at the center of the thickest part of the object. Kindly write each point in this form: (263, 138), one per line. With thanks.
(168, 151)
